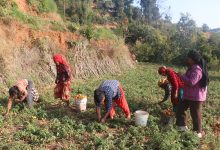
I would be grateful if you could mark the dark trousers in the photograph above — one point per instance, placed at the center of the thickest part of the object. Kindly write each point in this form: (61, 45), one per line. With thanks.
(195, 112)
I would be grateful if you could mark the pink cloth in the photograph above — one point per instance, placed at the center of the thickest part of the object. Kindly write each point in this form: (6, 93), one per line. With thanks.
(22, 85)
(192, 88)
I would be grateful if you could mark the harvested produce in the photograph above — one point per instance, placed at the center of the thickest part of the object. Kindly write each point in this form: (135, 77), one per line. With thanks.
(79, 96)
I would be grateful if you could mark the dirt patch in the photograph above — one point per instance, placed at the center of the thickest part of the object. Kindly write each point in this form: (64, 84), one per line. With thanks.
(216, 126)
(31, 10)
(22, 5)
(216, 129)
(43, 122)
(19, 34)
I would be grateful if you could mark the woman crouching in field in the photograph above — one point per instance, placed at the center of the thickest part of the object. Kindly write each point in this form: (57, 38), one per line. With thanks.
(110, 92)
(23, 90)
(176, 85)
(63, 79)
(195, 90)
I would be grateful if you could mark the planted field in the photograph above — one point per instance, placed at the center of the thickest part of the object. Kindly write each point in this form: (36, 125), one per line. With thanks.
(50, 125)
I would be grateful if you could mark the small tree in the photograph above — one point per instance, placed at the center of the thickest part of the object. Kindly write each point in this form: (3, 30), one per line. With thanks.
(205, 28)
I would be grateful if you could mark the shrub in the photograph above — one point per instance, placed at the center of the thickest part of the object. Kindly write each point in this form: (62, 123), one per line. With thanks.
(73, 27)
(104, 33)
(57, 26)
(43, 5)
(88, 32)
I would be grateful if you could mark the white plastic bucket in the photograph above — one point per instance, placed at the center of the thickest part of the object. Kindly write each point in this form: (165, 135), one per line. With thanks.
(81, 104)
(141, 117)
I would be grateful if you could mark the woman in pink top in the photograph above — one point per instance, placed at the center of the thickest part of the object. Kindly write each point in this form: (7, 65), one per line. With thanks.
(195, 90)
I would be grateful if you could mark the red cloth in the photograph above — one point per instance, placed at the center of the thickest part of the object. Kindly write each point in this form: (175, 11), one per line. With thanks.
(63, 91)
(63, 80)
(60, 59)
(121, 102)
(176, 84)
(162, 70)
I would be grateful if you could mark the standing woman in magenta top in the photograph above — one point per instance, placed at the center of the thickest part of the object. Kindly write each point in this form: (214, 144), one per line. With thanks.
(195, 90)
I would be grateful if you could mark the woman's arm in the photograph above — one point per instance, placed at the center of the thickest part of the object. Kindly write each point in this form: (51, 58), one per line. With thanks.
(105, 117)
(98, 111)
(174, 83)
(108, 97)
(193, 79)
(10, 100)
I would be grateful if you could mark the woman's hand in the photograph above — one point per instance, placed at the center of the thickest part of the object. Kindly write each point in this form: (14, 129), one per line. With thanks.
(160, 102)
(17, 100)
(176, 95)
(56, 81)
(103, 120)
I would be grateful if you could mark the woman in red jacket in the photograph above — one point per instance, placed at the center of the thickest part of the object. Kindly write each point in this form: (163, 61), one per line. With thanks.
(176, 84)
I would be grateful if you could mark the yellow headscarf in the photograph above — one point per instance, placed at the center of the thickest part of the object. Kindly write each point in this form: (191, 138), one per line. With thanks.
(162, 81)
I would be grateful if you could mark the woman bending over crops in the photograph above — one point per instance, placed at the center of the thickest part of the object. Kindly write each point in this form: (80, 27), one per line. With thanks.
(63, 79)
(176, 85)
(196, 81)
(23, 90)
(110, 92)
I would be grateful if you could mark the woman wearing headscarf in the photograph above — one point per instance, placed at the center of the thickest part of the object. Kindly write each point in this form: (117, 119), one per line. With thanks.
(195, 91)
(176, 85)
(63, 79)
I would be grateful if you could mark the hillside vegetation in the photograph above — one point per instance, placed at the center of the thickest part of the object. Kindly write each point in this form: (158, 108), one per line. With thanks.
(31, 31)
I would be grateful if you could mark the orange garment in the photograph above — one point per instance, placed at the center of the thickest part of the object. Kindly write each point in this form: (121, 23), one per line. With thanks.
(121, 102)
(63, 79)
(63, 90)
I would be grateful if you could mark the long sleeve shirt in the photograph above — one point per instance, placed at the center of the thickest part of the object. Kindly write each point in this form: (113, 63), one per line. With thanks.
(174, 80)
(111, 91)
(192, 87)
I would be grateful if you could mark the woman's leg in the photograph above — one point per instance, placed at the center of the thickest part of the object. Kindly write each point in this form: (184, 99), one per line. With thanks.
(58, 91)
(66, 93)
(122, 103)
(181, 115)
(112, 111)
(196, 114)
(30, 96)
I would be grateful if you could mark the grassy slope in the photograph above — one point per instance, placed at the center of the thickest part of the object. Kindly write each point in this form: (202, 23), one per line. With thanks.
(50, 125)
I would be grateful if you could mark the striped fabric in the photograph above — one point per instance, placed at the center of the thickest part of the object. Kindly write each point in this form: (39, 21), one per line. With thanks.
(35, 95)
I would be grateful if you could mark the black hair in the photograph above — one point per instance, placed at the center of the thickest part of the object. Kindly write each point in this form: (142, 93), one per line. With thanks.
(198, 59)
(13, 91)
(98, 96)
